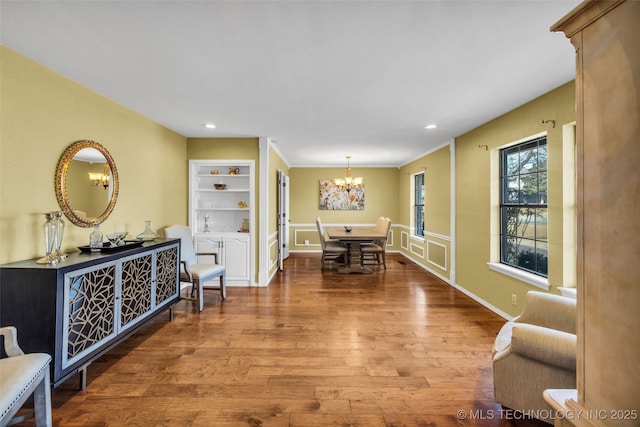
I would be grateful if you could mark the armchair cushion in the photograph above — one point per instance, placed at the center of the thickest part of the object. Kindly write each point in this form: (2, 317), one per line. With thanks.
(202, 271)
(554, 348)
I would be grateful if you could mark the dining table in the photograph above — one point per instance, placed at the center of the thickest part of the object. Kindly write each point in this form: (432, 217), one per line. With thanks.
(353, 237)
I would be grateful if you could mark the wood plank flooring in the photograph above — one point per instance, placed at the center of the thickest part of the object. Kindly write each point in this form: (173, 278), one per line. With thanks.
(393, 348)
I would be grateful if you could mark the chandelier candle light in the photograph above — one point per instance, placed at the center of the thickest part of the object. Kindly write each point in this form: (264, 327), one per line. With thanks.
(103, 178)
(348, 181)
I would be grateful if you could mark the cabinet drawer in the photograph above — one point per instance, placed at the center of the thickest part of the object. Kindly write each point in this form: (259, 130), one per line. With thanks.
(208, 245)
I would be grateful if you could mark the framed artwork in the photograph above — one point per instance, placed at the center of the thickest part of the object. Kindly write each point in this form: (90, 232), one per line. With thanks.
(337, 197)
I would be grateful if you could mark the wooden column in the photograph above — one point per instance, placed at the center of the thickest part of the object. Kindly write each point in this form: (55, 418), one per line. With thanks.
(606, 36)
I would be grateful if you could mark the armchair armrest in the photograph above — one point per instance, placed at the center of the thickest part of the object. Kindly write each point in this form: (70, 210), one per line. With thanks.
(10, 338)
(214, 254)
(545, 345)
(549, 311)
(185, 270)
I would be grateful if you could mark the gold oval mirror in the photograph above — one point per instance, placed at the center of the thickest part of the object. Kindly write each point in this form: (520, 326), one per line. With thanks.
(86, 183)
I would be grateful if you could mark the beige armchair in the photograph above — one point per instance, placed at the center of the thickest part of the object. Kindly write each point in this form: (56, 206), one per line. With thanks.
(21, 376)
(534, 352)
(191, 271)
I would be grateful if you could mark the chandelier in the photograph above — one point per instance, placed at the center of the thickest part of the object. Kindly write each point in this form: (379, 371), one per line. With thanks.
(348, 182)
(103, 178)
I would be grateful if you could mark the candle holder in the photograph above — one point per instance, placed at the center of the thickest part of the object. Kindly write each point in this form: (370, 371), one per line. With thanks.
(57, 246)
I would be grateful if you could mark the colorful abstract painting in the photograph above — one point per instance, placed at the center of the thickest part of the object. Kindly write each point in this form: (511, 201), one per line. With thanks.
(335, 197)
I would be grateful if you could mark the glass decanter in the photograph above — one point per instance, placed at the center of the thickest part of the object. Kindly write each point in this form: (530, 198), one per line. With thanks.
(147, 234)
(95, 238)
(49, 229)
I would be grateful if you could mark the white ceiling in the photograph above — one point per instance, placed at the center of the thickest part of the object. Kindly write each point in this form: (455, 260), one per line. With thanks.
(325, 79)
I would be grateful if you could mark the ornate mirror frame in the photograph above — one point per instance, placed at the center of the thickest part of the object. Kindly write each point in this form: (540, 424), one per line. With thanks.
(61, 183)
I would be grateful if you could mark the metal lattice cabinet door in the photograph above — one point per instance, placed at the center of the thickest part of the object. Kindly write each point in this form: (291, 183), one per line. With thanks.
(89, 312)
(135, 290)
(167, 283)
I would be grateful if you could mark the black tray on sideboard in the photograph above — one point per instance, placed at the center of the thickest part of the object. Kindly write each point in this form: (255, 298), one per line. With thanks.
(108, 247)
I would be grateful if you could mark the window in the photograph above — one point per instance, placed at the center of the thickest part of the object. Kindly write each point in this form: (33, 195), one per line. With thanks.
(523, 206)
(419, 203)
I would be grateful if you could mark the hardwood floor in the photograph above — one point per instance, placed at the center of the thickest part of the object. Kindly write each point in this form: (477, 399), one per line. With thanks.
(393, 348)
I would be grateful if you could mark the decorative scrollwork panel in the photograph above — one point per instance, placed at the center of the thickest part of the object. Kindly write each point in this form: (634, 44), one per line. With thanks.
(91, 309)
(166, 273)
(136, 288)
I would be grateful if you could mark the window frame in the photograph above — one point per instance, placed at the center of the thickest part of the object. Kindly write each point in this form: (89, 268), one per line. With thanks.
(518, 182)
(418, 205)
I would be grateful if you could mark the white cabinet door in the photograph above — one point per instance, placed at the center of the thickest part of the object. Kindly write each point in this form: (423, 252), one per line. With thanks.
(237, 256)
(234, 252)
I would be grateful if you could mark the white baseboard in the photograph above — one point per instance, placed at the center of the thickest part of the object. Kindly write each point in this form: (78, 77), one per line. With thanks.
(471, 295)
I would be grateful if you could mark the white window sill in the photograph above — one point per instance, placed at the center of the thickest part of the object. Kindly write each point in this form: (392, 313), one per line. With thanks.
(530, 278)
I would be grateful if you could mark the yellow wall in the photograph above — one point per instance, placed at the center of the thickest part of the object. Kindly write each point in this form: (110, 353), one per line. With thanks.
(43, 112)
(223, 149)
(381, 199)
(473, 209)
(434, 250)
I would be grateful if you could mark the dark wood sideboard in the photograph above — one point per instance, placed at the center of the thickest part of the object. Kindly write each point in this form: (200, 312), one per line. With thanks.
(80, 308)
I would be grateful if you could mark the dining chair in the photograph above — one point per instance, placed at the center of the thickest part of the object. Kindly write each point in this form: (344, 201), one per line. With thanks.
(379, 226)
(332, 251)
(380, 223)
(191, 271)
(375, 252)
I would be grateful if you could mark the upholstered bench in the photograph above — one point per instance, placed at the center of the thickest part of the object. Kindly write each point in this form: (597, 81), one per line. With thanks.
(22, 375)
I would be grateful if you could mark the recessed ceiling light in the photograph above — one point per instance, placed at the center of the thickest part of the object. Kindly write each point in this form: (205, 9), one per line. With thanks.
(209, 125)
(431, 126)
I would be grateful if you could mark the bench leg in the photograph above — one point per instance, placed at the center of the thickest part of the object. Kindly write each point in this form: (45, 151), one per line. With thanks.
(42, 401)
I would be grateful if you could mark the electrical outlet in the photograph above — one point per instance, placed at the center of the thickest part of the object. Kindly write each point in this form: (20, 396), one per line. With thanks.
(514, 299)
(306, 243)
